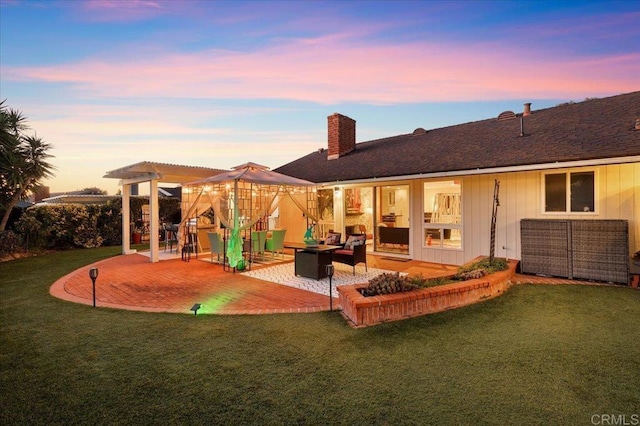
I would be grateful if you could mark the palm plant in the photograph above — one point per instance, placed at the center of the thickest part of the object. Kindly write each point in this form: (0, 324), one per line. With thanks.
(23, 161)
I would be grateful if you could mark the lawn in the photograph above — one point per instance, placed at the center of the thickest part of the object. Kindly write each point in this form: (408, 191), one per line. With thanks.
(536, 355)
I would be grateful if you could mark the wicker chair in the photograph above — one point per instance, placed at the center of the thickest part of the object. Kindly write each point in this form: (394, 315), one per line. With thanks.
(217, 246)
(353, 253)
(276, 242)
(258, 241)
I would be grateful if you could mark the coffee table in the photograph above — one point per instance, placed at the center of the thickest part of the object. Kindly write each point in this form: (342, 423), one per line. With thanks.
(311, 262)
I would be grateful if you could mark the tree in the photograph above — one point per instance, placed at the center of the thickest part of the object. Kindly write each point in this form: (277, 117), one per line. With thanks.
(23, 161)
(94, 190)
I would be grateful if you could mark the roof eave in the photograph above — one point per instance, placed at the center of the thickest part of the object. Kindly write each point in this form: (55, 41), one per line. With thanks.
(491, 170)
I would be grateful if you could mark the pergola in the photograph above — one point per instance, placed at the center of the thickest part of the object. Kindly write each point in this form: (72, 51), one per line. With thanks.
(153, 173)
(246, 194)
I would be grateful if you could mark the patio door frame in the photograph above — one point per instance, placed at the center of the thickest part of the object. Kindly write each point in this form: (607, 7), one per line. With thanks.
(378, 210)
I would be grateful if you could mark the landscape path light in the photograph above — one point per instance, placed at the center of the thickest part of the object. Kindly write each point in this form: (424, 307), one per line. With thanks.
(195, 308)
(330, 270)
(93, 274)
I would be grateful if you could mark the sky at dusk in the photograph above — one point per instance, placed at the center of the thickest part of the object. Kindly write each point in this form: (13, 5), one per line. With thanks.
(110, 83)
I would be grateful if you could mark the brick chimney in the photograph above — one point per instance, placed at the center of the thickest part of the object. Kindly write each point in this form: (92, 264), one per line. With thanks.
(341, 135)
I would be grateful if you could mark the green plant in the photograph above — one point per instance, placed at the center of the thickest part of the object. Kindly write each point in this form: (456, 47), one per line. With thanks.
(498, 264)
(389, 283)
(60, 226)
(109, 221)
(9, 242)
(471, 275)
(23, 163)
(394, 283)
(432, 282)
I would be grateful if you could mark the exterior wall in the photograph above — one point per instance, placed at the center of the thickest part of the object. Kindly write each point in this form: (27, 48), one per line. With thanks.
(617, 195)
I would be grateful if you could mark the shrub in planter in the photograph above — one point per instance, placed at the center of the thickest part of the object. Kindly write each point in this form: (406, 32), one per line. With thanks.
(471, 275)
(498, 264)
(388, 283)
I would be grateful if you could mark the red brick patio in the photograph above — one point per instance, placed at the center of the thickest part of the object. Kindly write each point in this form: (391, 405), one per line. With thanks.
(132, 282)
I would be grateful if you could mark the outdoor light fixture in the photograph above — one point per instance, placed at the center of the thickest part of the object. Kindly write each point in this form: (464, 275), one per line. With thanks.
(93, 274)
(329, 268)
(195, 308)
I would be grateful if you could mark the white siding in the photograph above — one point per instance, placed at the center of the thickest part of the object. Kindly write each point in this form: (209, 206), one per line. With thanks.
(617, 195)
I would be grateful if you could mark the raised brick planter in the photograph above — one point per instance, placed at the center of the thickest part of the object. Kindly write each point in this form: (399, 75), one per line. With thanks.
(363, 311)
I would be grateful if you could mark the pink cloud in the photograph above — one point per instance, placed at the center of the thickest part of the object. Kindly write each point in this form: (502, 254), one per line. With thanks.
(332, 70)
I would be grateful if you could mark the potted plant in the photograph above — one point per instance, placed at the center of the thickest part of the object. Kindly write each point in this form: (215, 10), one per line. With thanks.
(138, 230)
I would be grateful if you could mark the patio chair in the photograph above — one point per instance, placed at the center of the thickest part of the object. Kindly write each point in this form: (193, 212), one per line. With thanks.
(354, 252)
(258, 242)
(217, 246)
(276, 242)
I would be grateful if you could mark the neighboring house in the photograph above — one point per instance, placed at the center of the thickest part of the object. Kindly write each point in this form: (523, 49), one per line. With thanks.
(169, 192)
(79, 199)
(428, 195)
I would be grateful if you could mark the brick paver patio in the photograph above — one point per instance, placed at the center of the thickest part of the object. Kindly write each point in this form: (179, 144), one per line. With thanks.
(132, 282)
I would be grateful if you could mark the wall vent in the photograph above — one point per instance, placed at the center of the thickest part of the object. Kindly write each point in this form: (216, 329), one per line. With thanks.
(506, 115)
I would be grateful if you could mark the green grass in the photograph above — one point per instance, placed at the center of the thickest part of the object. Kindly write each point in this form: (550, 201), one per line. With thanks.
(536, 355)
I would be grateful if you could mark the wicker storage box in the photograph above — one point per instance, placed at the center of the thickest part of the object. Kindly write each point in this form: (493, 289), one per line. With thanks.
(586, 249)
(545, 244)
(600, 250)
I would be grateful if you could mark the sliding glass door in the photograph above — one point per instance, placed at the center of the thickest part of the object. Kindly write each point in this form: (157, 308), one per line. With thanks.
(392, 224)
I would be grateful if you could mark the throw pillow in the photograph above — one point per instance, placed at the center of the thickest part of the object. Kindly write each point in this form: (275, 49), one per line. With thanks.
(354, 240)
(333, 238)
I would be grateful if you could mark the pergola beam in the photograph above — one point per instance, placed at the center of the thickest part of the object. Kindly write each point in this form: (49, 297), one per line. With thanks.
(140, 179)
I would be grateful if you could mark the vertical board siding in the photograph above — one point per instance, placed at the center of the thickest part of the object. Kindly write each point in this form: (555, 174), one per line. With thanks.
(618, 197)
(634, 236)
(611, 197)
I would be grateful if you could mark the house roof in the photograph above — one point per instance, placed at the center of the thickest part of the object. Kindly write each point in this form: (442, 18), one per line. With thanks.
(589, 130)
(172, 173)
(79, 199)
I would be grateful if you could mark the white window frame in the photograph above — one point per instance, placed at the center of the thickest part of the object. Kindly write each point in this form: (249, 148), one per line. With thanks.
(567, 206)
(435, 244)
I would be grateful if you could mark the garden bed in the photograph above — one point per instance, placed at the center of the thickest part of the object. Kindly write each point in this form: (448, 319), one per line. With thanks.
(363, 311)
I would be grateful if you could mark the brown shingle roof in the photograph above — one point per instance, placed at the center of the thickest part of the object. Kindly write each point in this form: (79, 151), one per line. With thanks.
(593, 129)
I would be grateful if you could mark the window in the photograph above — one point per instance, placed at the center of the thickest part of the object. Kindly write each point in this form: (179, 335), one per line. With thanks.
(442, 225)
(569, 192)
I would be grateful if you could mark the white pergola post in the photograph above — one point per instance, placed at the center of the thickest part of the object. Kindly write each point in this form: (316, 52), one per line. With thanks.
(126, 219)
(146, 171)
(154, 221)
